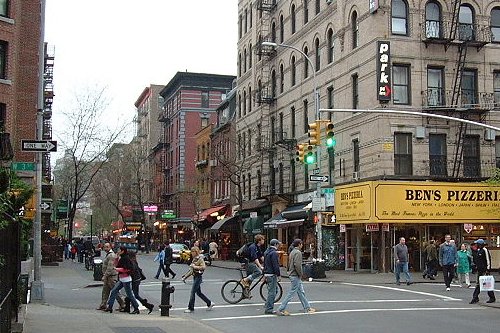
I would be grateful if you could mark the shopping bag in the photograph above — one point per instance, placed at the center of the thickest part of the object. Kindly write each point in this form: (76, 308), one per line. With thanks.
(486, 283)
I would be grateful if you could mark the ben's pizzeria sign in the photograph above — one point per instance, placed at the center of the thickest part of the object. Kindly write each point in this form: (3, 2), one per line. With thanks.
(417, 202)
(384, 92)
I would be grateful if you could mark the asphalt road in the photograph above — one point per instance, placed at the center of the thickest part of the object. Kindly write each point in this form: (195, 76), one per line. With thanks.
(341, 307)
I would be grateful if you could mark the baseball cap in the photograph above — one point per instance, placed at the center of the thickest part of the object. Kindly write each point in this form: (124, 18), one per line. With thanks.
(479, 241)
(296, 242)
(274, 242)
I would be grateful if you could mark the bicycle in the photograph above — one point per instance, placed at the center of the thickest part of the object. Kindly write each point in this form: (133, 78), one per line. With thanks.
(233, 291)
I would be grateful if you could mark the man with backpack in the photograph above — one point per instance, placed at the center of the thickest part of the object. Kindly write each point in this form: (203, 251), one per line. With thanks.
(255, 260)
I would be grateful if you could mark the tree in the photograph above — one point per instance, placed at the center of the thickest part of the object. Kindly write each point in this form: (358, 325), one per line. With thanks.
(85, 144)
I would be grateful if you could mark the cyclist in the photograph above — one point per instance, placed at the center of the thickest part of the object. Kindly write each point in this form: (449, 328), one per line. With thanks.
(255, 260)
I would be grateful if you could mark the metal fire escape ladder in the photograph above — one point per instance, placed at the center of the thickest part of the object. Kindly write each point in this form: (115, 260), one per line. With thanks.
(454, 22)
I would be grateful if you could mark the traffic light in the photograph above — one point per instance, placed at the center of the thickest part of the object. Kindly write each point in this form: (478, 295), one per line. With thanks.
(315, 133)
(330, 136)
(310, 155)
(300, 152)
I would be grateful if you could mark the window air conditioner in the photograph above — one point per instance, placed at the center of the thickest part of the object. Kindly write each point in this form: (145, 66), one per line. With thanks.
(355, 175)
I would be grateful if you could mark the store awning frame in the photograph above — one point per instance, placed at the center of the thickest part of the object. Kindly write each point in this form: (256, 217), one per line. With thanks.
(212, 211)
(282, 223)
(219, 224)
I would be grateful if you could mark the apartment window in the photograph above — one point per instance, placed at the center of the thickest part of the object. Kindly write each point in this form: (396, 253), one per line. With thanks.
(282, 78)
(281, 178)
(331, 165)
(249, 177)
(292, 120)
(495, 25)
(401, 84)
(273, 84)
(306, 11)
(472, 164)
(240, 26)
(245, 61)
(249, 143)
(4, 8)
(240, 155)
(282, 30)
(294, 70)
(239, 64)
(293, 19)
(249, 99)
(355, 154)
(399, 13)
(273, 130)
(355, 91)
(250, 13)
(403, 154)
(273, 32)
(258, 143)
(469, 87)
(496, 87)
(306, 176)
(240, 106)
(244, 187)
(3, 116)
(246, 21)
(317, 54)
(243, 145)
(292, 178)
(281, 128)
(329, 100)
(244, 103)
(433, 20)
(331, 45)
(250, 56)
(318, 6)
(306, 116)
(306, 63)
(497, 151)
(355, 30)
(437, 155)
(435, 86)
(3, 60)
(259, 184)
(466, 23)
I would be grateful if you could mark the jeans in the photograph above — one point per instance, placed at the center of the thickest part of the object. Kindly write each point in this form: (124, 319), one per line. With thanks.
(272, 284)
(196, 290)
(253, 272)
(295, 287)
(448, 274)
(402, 267)
(128, 290)
(135, 290)
(109, 283)
(161, 267)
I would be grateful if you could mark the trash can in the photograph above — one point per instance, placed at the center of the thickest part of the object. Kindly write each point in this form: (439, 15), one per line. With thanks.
(318, 270)
(97, 269)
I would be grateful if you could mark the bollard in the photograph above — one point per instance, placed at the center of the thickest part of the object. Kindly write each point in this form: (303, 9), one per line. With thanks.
(166, 290)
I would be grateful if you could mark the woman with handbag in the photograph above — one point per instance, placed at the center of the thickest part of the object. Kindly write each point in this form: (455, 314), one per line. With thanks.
(124, 268)
(137, 277)
(196, 269)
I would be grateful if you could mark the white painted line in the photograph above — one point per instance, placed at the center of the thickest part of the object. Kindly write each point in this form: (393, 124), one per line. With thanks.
(241, 305)
(344, 311)
(403, 290)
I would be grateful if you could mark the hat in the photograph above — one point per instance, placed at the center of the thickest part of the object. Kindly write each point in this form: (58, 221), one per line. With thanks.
(296, 242)
(479, 241)
(274, 242)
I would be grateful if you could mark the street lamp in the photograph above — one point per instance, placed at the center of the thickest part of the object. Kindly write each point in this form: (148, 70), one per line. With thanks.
(318, 153)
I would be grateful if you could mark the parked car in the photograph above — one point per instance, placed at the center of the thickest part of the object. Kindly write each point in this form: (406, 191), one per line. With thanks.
(180, 253)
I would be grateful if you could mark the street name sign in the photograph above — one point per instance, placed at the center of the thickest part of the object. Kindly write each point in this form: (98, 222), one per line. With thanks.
(39, 146)
(23, 166)
(318, 178)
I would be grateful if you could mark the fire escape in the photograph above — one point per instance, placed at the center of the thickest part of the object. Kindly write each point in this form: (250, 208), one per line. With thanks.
(462, 35)
(48, 97)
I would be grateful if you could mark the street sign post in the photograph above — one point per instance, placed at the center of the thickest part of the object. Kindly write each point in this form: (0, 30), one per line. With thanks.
(318, 178)
(39, 146)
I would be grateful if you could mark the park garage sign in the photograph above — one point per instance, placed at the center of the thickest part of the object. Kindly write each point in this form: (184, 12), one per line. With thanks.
(384, 92)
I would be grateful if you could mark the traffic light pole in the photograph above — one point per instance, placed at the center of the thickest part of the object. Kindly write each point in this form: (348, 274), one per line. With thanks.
(319, 231)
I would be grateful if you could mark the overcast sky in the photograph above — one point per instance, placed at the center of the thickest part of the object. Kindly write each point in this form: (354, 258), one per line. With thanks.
(126, 45)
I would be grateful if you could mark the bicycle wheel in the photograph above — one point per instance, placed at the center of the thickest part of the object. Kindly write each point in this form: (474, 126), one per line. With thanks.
(263, 291)
(232, 291)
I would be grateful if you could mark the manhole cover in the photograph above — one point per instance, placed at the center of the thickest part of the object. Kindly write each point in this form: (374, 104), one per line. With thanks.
(138, 330)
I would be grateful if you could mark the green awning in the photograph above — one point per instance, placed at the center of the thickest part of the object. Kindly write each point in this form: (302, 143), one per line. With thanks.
(254, 225)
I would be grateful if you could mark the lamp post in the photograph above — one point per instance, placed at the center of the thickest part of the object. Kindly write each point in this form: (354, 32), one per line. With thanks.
(318, 151)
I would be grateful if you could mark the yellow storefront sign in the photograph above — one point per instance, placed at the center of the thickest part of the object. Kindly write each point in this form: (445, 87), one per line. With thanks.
(417, 202)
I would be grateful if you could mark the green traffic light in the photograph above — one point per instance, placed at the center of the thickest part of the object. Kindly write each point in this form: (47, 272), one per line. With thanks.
(331, 142)
(311, 158)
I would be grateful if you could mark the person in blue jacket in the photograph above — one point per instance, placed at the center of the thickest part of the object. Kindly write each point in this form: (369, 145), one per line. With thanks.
(272, 274)
(448, 260)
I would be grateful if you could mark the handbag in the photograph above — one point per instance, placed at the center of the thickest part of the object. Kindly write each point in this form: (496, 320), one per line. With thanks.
(486, 283)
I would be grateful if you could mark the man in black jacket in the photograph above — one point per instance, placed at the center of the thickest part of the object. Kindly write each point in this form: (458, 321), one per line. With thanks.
(272, 274)
(482, 260)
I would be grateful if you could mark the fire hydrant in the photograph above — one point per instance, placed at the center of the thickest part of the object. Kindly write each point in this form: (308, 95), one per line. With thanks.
(166, 290)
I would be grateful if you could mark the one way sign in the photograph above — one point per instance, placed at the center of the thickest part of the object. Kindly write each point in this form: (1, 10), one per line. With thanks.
(318, 178)
(39, 146)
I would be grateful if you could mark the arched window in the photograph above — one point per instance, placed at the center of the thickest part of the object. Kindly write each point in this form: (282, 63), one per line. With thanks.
(239, 64)
(495, 25)
(240, 26)
(273, 32)
(249, 99)
(292, 16)
(317, 54)
(294, 70)
(305, 5)
(250, 53)
(246, 21)
(466, 23)
(355, 30)
(330, 46)
(244, 103)
(245, 61)
(399, 13)
(306, 63)
(282, 78)
(433, 20)
(239, 105)
(282, 29)
(273, 83)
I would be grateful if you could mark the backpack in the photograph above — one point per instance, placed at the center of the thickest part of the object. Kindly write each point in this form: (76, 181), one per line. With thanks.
(244, 251)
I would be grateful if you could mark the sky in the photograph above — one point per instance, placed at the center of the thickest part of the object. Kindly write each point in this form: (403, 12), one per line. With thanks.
(126, 45)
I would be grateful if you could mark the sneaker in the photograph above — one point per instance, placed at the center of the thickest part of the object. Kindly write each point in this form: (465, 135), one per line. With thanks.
(245, 283)
(448, 289)
(188, 311)
(283, 313)
(270, 312)
(311, 310)
(209, 308)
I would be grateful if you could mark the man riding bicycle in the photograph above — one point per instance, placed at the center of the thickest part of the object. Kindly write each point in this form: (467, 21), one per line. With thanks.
(255, 260)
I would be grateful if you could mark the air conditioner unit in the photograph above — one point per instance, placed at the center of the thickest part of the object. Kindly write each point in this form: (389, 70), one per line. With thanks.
(489, 134)
(355, 175)
(213, 163)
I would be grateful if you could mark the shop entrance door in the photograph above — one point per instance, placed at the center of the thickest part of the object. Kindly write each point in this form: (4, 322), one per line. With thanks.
(412, 234)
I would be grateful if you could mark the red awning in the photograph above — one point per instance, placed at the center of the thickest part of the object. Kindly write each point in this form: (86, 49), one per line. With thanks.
(210, 212)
